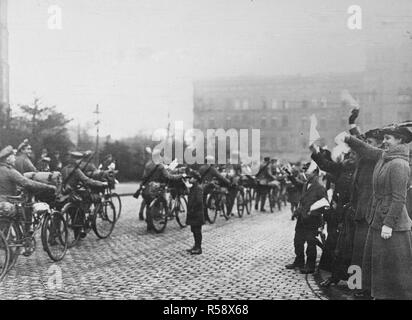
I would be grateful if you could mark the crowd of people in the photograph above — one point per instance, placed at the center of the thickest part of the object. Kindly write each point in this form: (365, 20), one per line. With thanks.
(353, 202)
(368, 188)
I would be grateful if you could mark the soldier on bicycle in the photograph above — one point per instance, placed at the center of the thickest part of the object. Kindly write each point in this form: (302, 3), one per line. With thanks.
(11, 180)
(155, 174)
(208, 172)
(73, 176)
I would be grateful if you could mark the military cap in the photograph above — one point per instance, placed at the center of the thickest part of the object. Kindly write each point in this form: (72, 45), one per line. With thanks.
(24, 144)
(4, 153)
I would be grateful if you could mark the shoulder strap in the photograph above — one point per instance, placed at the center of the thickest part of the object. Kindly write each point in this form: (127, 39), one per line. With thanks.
(150, 175)
(261, 169)
(205, 173)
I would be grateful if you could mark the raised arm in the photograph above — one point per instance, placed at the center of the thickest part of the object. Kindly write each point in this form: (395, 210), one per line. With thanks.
(363, 149)
(325, 164)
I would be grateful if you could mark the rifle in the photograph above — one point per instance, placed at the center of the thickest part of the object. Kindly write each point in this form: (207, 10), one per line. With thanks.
(139, 190)
(75, 168)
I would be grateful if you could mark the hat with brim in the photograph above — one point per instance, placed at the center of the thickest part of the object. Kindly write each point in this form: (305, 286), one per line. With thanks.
(401, 131)
(7, 151)
(374, 134)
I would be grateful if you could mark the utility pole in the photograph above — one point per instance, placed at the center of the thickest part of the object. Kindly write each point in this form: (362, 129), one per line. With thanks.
(97, 123)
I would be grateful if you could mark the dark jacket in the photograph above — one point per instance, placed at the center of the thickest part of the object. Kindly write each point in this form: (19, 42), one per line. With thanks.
(208, 173)
(390, 181)
(72, 176)
(309, 196)
(265, 173)
(158, 173)
(362, 183)
(10, 179)
(195, 216)
(24, 164)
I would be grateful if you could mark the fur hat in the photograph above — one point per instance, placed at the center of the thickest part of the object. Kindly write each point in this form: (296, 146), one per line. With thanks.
(4, 153)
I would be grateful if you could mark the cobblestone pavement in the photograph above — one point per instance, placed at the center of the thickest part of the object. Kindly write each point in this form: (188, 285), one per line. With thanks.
(242, 259)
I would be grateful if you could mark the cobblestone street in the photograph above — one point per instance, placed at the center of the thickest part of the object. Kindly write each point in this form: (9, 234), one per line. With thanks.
(242, 259)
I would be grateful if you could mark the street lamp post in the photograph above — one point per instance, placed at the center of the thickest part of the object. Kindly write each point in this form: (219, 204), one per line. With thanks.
(97, 123)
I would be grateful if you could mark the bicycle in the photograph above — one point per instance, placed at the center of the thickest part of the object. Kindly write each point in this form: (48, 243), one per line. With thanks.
(88, 210)
(20, 229)
(161, 210)
(4, 256)
(216, 202)
(110, 177)
(248, 183)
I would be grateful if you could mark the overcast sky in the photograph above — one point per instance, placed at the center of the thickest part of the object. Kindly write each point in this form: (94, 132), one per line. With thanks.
(138, 58)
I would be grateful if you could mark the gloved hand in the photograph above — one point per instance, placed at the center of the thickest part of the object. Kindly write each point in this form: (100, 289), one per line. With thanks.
(354, 115)
(386, 232)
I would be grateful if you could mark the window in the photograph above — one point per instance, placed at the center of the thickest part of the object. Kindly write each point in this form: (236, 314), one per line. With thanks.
(263, 142)
(245, 104)
(305, 104)
(273, 123)
(324, 102)
(228, 122)
(285, 121)
(212, 123)
(274, 104)
(263, 123)
(264, 104)
(285, 104)
(274, 143)
(237, 104)
(228, 103)
(284, 142)
(304, 123)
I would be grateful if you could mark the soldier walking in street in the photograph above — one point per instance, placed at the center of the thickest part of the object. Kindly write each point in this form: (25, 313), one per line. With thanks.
(264, 176)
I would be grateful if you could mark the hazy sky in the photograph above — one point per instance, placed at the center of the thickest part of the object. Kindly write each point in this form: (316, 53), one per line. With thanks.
(138, 58)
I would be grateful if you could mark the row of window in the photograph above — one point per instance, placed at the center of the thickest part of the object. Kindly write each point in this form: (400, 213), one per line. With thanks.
(269, 123)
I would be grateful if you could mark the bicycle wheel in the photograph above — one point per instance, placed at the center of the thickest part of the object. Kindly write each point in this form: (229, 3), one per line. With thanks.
(222, 205)
(104, 219)
(13, 234)
(248, 201)
(74, 217)
(158, 211)
(117, 202)
(4, 256)
(54, 236)
(272, 199)
(211, 208)
(240, 203)
(181, 211)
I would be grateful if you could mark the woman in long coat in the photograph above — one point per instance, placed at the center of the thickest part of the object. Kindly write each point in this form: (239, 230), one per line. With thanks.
(387, 261)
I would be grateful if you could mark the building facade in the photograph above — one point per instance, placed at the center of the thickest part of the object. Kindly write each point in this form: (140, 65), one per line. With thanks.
(281, 106)
(4, 65)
